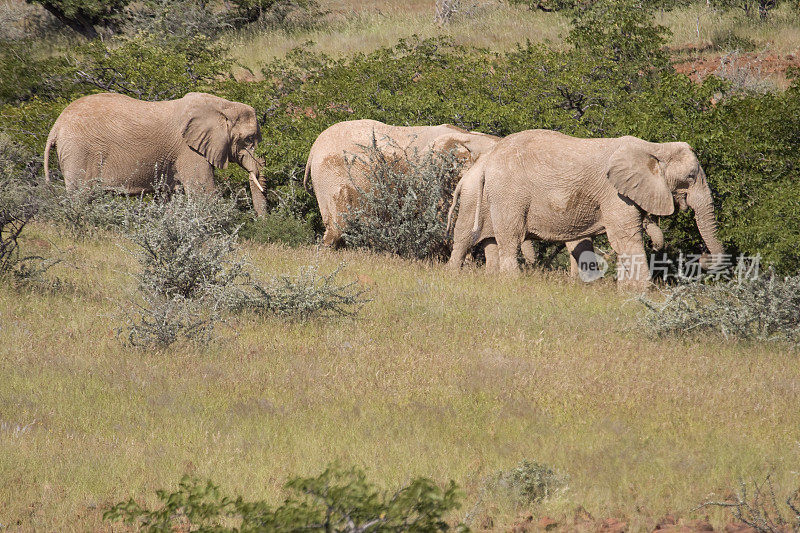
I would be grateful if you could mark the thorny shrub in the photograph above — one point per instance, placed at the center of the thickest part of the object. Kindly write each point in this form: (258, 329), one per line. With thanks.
(763, 309)
(403, 209)
(192, 274)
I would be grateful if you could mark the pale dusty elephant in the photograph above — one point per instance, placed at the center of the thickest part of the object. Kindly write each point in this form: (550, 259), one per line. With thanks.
(128, 144)
(336, 181)
(467, 191)
(561, 188)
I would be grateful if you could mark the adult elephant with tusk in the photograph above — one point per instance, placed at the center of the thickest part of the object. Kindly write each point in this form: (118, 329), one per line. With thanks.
(555, 187)
(336, 180)
(129, 145)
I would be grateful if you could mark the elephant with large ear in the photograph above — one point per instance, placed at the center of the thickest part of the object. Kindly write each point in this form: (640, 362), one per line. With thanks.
(336, 178)
(130, 145)
(561, 188)
(469, 234)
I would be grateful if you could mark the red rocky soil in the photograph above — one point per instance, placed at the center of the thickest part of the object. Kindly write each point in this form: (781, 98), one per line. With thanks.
(762, 64)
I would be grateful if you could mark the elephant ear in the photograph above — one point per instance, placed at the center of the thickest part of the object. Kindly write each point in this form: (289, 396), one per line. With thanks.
(207, 130)
(637, 174)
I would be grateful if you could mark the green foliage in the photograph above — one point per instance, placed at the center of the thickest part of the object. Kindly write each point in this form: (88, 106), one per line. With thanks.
(763, 309)
(338, 500)
(28, 72)
(622, 31)
(403, 210)
(85, 16)
(278, 227)
(149, 67)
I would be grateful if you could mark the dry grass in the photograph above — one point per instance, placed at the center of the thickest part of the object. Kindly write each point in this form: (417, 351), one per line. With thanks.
(445, 375)
(358, 28)
(697, 25)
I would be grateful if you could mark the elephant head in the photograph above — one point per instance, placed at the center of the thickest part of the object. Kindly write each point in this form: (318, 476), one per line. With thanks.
(657, 177)
(467, 146)
(223, 131)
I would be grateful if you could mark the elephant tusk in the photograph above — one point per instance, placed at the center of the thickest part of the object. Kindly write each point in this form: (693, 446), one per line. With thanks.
(254, 180)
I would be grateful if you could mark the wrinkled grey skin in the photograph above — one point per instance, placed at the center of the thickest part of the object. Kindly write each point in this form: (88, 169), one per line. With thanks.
(128, 144)
(336, 178)
(466, 196)
(561, 188)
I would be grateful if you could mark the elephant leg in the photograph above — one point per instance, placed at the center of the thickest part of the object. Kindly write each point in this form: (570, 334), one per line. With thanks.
(492, 257)
(509, 232)
(529, 252)
(333, 230)
(575, 249)
(193, 172)
(632, 268)
(460, 249)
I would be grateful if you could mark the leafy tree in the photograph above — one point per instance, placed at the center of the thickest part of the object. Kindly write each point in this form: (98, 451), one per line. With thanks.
(85, 16)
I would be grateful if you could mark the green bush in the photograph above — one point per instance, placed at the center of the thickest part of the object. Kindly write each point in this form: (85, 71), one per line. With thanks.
(338, 500)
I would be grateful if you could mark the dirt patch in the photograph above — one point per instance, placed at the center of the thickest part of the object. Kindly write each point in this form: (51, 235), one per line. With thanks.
(760, 64)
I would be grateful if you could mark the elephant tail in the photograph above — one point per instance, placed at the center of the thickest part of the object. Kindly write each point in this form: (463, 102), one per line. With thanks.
(456, 194)
(51, 141)
(307, 173)
(477, 226)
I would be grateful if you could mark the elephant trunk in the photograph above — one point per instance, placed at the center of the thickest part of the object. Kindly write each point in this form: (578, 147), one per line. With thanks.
(699, 199)
(258, 194)
(257, 191)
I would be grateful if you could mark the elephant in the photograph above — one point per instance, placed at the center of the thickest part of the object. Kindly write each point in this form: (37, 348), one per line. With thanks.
(562, 188)
(336, 180)
(467, 191)
(129, 145)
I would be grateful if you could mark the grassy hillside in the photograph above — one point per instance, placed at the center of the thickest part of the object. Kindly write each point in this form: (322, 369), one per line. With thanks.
(444, 375)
